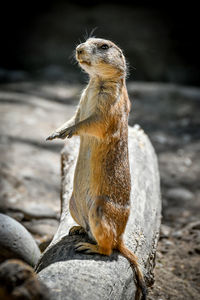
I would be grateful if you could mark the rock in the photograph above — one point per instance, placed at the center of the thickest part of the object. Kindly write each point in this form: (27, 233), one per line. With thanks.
(16, 241)
(29, 166)
(177, 234)
(43, 231)
(168, 243)
(38, 211)
(18, 216)
(42, 226)
(79, 275)
(19, 281)
(164, 231)
(179, 194)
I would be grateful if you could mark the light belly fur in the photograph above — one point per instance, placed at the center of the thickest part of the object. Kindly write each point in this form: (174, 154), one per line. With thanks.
(81, 189)
(82, 199)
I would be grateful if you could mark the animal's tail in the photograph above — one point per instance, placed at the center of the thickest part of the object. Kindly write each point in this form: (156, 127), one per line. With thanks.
(134, 264)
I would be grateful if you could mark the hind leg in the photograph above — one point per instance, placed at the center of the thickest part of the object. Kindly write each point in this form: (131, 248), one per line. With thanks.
(74, 213)
(103, 248)
(102, 233)
(99, 248)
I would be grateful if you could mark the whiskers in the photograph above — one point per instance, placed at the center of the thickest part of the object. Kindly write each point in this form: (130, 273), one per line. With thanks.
(87, 35)
(72, 57)
(90, 34)
(129, 68)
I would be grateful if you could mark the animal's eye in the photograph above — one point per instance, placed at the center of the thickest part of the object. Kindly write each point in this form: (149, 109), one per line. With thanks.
(104, 47)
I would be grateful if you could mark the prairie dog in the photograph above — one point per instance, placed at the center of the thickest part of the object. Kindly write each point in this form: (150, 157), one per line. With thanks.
(100, 202)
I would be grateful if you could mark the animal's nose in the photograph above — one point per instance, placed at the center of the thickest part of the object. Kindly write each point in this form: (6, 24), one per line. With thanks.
(79, 49)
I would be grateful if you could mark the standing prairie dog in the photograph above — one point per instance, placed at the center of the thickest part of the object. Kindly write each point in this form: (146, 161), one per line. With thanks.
(100, 202)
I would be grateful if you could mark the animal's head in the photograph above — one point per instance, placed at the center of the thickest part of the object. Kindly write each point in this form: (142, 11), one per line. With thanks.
(100, 57)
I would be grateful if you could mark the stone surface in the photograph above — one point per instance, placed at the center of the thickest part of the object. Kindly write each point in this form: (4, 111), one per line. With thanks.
(78, 275)
(16, 241)
(179, 194)
(42, 226)
(30, 166)
(38, 211)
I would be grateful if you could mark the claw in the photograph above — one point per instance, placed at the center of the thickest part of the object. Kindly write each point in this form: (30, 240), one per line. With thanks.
(52, 136)
(62, 134)
(70, 134)
(80, 247)
(86, 247)
(59, 135)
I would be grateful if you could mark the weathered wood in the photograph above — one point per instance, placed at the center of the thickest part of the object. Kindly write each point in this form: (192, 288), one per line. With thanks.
(72, 275)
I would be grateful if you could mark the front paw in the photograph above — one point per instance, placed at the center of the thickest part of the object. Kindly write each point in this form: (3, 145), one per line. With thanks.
(69, 133)
(62, 134)
(53, 136)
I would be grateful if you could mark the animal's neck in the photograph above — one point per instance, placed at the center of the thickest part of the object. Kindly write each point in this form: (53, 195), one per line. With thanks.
(111, 83)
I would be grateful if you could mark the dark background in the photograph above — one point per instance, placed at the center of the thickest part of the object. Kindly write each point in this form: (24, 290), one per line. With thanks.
(160, 41)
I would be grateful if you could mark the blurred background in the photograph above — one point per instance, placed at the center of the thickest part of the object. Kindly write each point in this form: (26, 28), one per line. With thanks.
(160, 40)
(40, 86)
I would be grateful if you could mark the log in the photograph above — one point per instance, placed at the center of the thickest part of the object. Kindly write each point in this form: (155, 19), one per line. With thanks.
(72, 275)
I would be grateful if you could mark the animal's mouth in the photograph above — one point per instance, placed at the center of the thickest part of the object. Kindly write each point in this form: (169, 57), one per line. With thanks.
(86, 62)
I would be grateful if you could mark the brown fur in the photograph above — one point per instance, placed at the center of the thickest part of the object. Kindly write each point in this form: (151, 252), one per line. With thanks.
(100, 202)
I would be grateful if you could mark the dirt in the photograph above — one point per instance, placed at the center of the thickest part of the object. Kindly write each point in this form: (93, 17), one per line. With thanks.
(170, 115)
(30, 168)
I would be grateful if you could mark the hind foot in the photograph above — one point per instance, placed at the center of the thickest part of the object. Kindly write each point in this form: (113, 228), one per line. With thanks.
(77, 230)
(86, 247)
(92, 248)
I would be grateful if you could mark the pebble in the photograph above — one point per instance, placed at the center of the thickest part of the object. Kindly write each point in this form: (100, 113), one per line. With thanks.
(177, 234)
(164, 231)
(168, 243)
(188, 162)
